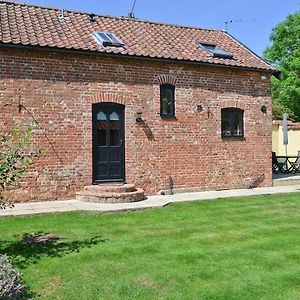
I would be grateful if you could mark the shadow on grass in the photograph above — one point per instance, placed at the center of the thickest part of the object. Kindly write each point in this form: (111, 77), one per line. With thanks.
(29, 248)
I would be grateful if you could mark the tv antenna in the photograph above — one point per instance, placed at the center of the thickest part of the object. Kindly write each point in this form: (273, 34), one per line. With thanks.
(237, 21)
(62, 15)
(131, 14)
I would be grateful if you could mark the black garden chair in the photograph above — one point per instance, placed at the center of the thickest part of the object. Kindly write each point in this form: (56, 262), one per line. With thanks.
(295, 165)
(277, 167)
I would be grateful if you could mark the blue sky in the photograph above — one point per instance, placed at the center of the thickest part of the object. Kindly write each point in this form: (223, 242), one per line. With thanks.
(252, 23)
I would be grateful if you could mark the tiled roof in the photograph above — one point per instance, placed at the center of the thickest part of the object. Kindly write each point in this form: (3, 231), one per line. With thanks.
(22, 24)
(291, 125)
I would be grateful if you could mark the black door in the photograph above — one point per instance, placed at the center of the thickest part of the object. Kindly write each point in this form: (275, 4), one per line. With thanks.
(108, 143)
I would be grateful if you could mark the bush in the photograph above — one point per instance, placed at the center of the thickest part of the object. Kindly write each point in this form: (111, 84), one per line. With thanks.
(14, 158)
(11, 287)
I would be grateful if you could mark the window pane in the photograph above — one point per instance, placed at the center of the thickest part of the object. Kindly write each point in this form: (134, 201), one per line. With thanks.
(226, 123)
(114, 137)
(113, 38)
(101, 116)
(226, 127)
(101, 132)
(114, 129)
(104, 36)
(237, 122)
(101, 124)
(114, 116)
(210, 47)
(167, 100)
(166, 105)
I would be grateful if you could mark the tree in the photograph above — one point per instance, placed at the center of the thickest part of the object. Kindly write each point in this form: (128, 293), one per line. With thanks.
(14, 158)
(284, 53)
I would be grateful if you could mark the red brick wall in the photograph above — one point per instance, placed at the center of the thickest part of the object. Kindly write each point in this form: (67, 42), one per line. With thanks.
(59, 89)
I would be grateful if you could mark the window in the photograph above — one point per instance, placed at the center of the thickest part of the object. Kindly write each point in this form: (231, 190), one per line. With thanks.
(167, 100)
(107, 39)
(215, 50)
(114, 129)
(101, 124)
(232, 122)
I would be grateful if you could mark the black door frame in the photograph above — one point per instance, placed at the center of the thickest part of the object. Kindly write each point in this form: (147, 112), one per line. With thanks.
(108, 107)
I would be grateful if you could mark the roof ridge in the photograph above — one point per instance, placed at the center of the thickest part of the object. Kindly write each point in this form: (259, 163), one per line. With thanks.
(108, 16)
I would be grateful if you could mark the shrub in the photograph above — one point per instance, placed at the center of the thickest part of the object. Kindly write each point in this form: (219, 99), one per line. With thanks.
(14, 158)
(11, 287)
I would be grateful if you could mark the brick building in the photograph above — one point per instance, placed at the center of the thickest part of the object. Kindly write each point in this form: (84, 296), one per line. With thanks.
(119, 99)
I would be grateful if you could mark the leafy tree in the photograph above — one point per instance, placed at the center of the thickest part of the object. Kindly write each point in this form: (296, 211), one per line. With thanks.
(14, 158)
(284, 53)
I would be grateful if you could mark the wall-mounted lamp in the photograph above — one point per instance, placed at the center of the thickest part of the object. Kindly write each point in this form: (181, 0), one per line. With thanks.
(199, 108)
(138, 116)
(263, 109)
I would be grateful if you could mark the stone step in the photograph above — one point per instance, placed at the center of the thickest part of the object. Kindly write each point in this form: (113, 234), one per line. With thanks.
(110, 188)
(110, 193)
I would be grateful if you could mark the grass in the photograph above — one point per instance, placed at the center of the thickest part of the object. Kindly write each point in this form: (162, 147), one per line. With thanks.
(247, 248)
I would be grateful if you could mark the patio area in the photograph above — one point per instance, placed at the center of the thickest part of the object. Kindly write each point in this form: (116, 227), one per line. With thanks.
(155, 201)
(283, 179)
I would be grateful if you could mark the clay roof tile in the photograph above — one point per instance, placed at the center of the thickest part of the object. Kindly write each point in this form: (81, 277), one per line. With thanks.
(39, 26)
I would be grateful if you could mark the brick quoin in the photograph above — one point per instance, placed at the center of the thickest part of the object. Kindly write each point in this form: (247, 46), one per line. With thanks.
(58, 89)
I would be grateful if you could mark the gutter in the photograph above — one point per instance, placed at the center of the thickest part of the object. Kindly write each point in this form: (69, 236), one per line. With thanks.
(274, 72)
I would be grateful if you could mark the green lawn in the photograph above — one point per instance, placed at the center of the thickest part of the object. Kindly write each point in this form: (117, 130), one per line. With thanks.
(247, 248)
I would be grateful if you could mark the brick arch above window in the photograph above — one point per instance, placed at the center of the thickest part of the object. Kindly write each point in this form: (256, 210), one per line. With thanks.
(167, 79)
(233, 104)
(109, 97)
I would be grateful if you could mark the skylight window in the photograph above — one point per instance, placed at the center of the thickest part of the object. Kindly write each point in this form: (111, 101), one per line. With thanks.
(107, 39)
(215, 50)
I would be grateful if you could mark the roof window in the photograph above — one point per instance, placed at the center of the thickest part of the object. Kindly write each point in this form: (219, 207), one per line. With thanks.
(107, 39)
(215, 50)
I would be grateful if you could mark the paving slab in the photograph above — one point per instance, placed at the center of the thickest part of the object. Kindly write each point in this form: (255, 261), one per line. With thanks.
(11, 212)
(153, 201)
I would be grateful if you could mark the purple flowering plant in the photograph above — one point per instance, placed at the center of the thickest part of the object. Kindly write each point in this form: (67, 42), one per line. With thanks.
(11, 287)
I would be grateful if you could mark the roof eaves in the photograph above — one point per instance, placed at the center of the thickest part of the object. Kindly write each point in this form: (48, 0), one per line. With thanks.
(133, 56)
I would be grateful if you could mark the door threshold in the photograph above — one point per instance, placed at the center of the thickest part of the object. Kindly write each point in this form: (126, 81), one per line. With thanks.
(110, 183)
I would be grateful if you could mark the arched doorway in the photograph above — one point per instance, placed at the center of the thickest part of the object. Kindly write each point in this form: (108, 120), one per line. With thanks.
(108, 142)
